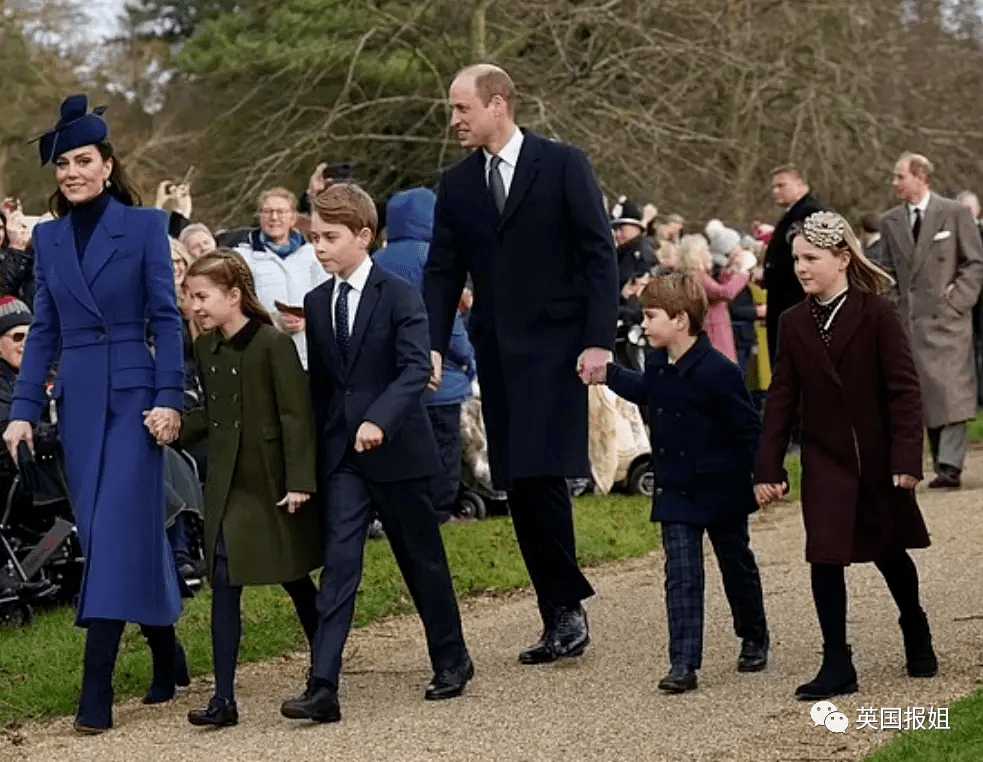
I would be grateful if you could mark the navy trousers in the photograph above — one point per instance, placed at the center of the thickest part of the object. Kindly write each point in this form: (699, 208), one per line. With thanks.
(406, 512)
(685, 584)
(445, 420)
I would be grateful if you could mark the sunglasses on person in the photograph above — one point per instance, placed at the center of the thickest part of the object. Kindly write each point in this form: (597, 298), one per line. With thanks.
(18, 336)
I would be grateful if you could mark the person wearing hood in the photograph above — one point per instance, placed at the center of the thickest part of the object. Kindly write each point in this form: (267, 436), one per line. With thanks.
(726, 252)
(409, 225)
(283, 263)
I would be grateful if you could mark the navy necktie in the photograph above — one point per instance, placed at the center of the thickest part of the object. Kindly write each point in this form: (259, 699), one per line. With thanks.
(341, 319)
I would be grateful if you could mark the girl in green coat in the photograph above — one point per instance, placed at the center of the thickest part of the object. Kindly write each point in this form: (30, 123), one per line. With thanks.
(261, 469)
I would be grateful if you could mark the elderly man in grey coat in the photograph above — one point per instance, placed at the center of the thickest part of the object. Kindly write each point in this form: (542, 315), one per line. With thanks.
(936, 251)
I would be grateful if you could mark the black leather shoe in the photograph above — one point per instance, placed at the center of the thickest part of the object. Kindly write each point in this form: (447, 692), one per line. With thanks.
(318, 703)
(754, 656)
(679, 680)
(836, 677)
(948, 477)
(541, 652)
(219, 713)
(448, 683)
(88, 730)
(571, 635)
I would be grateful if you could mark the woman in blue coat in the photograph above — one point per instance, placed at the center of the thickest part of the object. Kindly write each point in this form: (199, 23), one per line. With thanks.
(104, 284)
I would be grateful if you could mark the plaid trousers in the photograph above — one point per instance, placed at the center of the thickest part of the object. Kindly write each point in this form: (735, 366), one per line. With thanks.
(685, 583)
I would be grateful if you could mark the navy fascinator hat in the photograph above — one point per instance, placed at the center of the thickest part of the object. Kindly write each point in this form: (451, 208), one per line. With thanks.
(76, 128)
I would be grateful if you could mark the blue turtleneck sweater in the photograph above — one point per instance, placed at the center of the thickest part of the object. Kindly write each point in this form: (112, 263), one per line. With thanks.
(84, 219)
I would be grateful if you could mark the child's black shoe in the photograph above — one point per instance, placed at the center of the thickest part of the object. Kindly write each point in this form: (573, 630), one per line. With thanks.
(836, 677)
(679, 680)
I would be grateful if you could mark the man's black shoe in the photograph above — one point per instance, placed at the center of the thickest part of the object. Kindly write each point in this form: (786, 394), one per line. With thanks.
(220, 712)
(541, 652)
(571, 634)
(754, 655)
(948, 477)
(679, 680)
(448, 683)
(318, 703)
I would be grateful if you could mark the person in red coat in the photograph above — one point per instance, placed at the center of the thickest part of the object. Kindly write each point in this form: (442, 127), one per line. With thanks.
(844, 359)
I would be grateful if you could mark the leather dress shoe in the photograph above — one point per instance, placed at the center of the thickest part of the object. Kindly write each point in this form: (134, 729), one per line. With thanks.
(754, 655)
(88, 730)
(679, 680)
(540, 652)
(948, 477)
(571, 635)
(318, 703)
(219, 713)
(448, 683)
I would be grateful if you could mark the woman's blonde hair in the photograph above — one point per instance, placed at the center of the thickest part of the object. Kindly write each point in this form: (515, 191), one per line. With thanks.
(229, 270)
(178, 249)
(832, 232)
(692, 250)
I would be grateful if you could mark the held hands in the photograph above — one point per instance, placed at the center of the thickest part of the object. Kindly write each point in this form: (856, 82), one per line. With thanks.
(368, 437)
(292, 324)
(15, 433)
(436, 370)
(163, 423)
(766, 494)
(592, 365)
(294, 501)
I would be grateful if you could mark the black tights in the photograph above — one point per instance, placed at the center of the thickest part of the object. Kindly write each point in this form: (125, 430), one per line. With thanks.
(829, 593)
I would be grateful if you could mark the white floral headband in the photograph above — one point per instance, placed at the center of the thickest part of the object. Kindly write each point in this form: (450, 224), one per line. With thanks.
(826, 230)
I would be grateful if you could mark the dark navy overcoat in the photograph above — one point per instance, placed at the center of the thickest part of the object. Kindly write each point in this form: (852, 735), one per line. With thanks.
(98, 313)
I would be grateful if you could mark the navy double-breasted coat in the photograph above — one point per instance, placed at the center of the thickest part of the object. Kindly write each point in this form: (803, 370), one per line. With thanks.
(98, 313)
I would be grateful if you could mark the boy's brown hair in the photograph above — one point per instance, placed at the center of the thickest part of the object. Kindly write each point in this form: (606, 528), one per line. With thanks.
(346, 204)
(676, 293)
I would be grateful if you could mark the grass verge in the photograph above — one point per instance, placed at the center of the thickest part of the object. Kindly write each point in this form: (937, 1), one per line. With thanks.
(40, 665)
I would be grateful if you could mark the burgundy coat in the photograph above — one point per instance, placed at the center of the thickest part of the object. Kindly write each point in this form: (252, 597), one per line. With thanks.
(861, 424)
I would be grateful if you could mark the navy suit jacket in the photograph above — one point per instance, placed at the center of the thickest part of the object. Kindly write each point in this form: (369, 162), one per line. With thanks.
(545, 288)
(705, 432)
(383, 381)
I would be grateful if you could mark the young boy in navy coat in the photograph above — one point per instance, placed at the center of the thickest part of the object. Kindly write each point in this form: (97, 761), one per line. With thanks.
(368, 346)
(705, 432)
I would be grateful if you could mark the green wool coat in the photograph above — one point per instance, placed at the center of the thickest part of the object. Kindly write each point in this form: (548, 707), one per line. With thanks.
(261, 443)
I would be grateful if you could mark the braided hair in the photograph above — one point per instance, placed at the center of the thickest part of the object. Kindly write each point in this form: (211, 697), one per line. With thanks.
(227, 269)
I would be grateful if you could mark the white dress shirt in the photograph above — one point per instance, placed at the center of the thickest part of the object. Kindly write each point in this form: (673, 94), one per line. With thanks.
(921, 206)
(510, 158)
(357, 281)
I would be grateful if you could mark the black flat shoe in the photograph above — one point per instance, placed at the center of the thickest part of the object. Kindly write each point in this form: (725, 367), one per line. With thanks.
(754, 656)
(448, 683)
(319, 704)
(541, 652)
(219, 713)
(679, 680)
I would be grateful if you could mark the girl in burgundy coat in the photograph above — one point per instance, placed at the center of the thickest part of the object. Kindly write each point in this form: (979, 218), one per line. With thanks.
(843, 358)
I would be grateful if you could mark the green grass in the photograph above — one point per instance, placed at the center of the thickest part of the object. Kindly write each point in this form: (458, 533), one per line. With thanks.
(963, 742)
(40, 665)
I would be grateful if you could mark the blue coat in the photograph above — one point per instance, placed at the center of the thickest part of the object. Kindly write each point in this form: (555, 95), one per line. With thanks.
(705, 431)
(98, 313)
(409, 224)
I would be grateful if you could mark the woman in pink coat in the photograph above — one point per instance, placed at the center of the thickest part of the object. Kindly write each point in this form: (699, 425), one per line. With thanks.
(694, 255)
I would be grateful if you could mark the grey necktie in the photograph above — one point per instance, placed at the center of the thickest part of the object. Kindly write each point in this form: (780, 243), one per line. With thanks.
(496, 184)
(341, 319)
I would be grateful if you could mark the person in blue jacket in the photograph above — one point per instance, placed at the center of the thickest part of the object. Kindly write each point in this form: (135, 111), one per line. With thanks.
(409, 227)
(104, 282)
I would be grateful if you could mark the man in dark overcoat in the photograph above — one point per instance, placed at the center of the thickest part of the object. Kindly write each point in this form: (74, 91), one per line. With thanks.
(789, 189)
(525, 217)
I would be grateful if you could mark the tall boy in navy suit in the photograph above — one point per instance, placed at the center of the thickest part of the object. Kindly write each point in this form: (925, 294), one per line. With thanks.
(705, 432)
(369, 362)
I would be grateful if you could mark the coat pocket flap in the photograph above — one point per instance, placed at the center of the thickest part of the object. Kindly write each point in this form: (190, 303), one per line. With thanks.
(271, 431)
(132, 378)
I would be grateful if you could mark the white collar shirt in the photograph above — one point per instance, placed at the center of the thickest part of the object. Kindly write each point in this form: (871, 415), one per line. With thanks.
(357, 281)
(921, 206)
(510, 159)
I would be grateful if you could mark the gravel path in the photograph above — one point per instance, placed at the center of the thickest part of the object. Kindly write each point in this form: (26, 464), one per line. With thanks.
(604, 706)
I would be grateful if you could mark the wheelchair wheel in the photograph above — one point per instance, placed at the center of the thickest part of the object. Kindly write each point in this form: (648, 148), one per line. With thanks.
(641, 479)
(471, 506)
(16, 615)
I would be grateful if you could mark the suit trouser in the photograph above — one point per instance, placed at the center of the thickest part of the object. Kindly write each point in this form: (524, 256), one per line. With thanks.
(445, 420)
(542, 514)
(227, 618)
(949, 445)
(407, 514)
(685, 584)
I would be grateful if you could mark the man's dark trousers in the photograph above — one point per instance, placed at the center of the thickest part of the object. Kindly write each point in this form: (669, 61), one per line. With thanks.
(407, 515)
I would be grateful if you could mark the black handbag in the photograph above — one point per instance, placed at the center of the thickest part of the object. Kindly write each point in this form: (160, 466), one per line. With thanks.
(41, 475)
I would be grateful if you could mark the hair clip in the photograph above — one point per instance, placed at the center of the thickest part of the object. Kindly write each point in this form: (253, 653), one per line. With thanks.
(825, 230)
